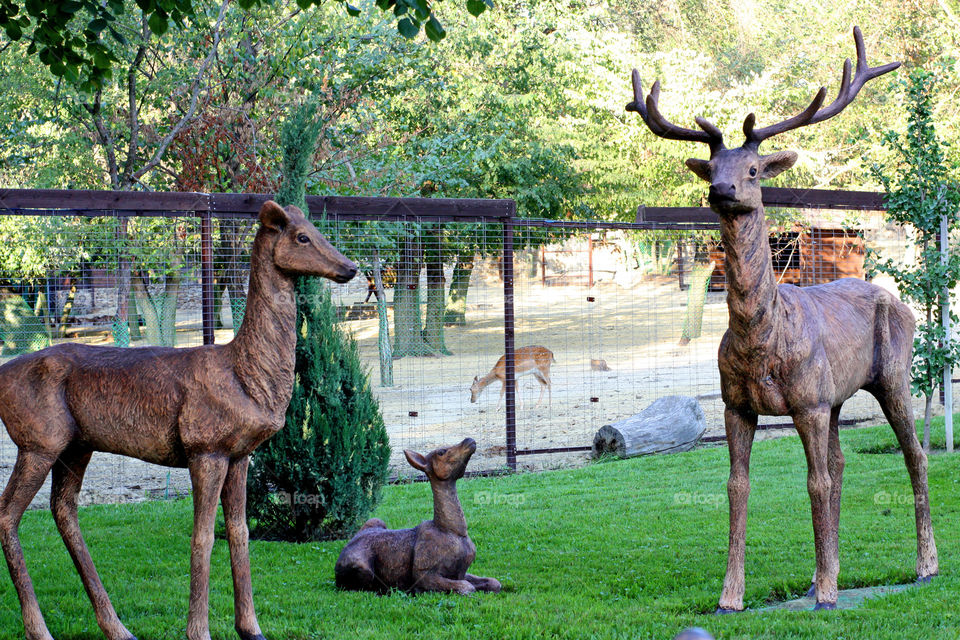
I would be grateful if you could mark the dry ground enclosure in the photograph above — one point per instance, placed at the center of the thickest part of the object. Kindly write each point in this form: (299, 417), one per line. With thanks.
(587, 293)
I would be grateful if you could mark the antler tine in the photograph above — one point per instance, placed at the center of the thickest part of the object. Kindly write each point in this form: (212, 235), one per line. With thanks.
(813, 114)
(848, 91)
(662, 127)
(638, 103)
(805, 117)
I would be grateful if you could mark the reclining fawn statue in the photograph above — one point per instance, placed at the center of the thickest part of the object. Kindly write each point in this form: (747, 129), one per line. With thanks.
(798, 352)
(433, 556)
(204, 408)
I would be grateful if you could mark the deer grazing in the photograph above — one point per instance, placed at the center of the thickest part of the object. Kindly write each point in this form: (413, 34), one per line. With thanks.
(532, 360)
(798, 352)
(435, 555)
(204, 408)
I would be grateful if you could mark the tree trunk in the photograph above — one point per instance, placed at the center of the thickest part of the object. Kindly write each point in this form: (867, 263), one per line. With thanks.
(168, 310)
(407, 337)
(123, 270)
(228, 268)
(145, 304)
(67, 308)
(927, 411)
(160, 313)
(383, 335)
(436, 307)
(456, 312)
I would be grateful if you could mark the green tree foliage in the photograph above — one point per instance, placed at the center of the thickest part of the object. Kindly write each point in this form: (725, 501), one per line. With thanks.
(322, 473)
(71, 37)
(921, 190)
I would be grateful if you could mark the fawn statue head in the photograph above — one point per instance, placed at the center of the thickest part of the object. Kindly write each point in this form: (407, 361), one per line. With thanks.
(447, 463)
(299, 249)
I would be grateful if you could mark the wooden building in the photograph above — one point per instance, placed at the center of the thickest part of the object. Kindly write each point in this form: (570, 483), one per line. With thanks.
(812, 255)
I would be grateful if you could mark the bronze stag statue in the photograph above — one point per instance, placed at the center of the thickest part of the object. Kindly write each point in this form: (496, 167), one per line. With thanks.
(204, 408)
(798, 352)
(433, 556)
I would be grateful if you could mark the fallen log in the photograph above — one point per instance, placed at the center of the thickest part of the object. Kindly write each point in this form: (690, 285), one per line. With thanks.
(669, 425)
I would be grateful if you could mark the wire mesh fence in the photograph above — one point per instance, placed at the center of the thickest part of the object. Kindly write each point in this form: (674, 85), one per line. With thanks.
(600, 318)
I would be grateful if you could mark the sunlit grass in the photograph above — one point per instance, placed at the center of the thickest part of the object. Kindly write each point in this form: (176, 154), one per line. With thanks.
(627, 549)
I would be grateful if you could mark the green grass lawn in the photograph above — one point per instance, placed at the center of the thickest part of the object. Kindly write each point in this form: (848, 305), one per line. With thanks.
(626, 549)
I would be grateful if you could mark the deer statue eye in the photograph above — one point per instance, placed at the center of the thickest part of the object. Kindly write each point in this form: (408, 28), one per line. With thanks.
(303, 238)
(753, 172)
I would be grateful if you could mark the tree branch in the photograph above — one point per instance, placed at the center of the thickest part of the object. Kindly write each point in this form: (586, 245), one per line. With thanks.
(191, 110)
(106, 138)
(134, 109)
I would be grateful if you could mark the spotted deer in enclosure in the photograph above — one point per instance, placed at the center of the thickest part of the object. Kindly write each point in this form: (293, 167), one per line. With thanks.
(533, 360)
(798, 352)
(203, 408)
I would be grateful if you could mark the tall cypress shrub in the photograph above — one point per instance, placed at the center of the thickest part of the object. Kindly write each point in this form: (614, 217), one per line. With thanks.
(322, 473)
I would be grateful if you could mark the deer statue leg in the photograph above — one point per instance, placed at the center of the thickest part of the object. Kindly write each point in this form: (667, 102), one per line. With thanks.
(207, 474)
(813, 425)
(898, 410)
(483, 584)
(67, 478)
(835, 463)
(29, 472)
(234, 499)
(741, 428)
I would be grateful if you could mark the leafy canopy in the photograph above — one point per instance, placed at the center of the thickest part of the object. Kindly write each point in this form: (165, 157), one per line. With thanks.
(71, 37)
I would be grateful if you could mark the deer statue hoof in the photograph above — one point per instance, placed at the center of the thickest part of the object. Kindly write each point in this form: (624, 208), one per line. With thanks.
(249, 636)
(722, 611)
(825, 606)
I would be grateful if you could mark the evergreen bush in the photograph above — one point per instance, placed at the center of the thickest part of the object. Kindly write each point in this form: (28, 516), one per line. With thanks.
(321, 475)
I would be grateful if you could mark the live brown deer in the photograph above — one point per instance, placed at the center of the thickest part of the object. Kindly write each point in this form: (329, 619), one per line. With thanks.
(533, 360)
(798, 352)
(433, 556)
(204, 408)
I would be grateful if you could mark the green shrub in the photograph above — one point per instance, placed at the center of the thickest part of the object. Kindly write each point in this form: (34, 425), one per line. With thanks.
(322, 473)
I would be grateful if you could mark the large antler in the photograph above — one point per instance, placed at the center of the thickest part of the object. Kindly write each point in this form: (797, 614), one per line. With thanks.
(664, 128)
(813, 113)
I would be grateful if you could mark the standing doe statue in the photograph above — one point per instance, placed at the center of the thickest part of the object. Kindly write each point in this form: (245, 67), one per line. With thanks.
(433, 556)
(204, 408)
(798, 352)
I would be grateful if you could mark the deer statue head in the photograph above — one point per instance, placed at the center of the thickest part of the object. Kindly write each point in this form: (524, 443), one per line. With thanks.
(299, 249)
(449, 463)
(735, 174)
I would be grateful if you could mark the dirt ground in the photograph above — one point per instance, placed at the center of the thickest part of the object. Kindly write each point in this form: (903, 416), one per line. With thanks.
(631, 321)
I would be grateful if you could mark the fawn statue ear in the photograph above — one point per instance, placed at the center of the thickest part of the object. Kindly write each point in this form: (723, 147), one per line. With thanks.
(416, 460)
(272, 216)
(476, 379)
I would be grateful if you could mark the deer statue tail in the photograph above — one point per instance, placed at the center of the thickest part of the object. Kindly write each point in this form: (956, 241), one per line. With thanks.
(894, 338)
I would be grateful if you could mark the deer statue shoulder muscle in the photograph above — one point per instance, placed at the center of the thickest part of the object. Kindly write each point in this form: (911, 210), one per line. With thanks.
(204, 408)
(798, 352)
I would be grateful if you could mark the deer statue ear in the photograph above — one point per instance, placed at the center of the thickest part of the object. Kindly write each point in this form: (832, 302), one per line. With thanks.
(416, 460)
(700, 167)
(776, 163)
(272, 216)
(476, 379)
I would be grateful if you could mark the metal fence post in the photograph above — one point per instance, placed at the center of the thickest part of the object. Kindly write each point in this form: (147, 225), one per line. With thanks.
(207, 303)
(510, 384)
